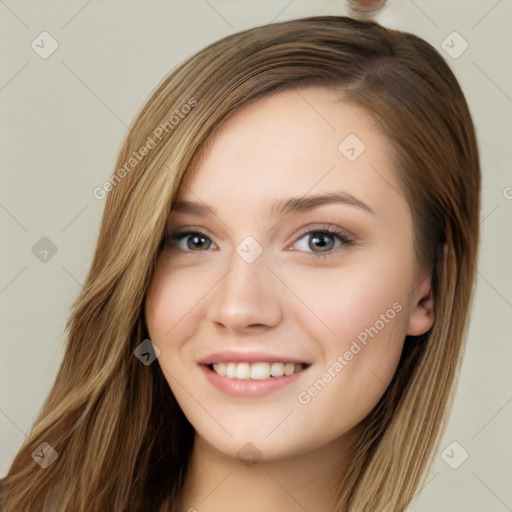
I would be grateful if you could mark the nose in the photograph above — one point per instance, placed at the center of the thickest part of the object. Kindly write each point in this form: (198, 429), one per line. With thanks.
(246, 297)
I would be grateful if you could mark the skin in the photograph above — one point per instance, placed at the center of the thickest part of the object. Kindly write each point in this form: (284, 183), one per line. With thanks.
(205, 297)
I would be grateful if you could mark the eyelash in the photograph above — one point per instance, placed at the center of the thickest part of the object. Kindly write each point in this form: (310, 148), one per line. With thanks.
(176, 235)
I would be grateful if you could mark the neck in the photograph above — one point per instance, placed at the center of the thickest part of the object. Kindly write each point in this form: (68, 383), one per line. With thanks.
(306, 482)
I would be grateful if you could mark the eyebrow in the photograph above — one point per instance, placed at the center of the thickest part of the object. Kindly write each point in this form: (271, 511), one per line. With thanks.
(284, 206)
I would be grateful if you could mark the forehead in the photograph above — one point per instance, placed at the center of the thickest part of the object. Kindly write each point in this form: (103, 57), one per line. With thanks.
(296, 142)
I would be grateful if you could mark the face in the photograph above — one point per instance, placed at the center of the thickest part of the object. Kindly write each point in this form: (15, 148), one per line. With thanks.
(286, 286)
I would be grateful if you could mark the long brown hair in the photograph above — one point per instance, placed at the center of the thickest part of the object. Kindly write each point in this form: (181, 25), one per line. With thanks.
(123, 443)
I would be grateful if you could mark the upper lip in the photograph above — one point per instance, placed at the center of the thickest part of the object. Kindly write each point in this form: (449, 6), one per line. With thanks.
(232, 356)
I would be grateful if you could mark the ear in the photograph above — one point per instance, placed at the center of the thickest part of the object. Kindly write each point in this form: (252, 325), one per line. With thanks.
(421, 318)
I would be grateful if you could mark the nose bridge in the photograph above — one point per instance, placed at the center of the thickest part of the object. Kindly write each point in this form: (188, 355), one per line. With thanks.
(246, 295)
(246, 277)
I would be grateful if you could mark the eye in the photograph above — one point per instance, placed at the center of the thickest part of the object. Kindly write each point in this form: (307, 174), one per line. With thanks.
(323, 242)
(189, 241)
(319, 242)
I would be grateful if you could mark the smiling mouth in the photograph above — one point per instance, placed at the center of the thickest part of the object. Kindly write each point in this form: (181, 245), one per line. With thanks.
(256, 371)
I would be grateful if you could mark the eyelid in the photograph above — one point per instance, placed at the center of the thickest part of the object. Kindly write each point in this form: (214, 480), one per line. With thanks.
(185, 229)
(326, 227)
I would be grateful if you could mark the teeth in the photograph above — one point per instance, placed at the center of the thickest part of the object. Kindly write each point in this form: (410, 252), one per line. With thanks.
(230, 370)
(221, 369)
(260, 371)
(256, 371)
(289, 368)
(277, 370)
(243, 371)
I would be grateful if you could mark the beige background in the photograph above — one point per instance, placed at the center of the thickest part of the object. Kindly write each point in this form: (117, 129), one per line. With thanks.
(64, 118)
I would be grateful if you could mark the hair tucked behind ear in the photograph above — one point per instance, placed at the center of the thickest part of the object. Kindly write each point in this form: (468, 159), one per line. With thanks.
(123, 443)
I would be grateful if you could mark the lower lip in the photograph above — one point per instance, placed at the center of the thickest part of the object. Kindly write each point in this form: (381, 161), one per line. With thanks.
(249, 387)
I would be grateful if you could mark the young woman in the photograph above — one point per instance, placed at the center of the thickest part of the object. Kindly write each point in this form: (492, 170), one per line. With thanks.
(293, 222)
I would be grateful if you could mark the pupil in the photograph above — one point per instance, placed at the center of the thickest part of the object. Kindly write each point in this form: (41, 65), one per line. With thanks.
(320, 241)
(198, 241)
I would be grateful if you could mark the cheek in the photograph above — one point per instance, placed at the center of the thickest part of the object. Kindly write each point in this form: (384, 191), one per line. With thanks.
(361, 308)
(367, 291)
(168, 311)
(363, 312)
(173, 297)
(169, 304)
